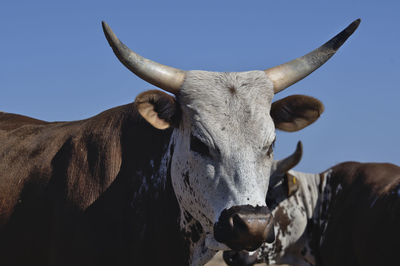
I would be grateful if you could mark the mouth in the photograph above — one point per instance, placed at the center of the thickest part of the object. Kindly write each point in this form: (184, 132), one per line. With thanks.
(240, 258)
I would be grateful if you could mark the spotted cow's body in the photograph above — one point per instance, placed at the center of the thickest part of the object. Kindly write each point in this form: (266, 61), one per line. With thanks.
(187, 171)
(347, 215)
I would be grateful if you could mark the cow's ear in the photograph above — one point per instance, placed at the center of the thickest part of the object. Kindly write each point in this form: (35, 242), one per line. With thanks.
(295, 112)
(158, 108)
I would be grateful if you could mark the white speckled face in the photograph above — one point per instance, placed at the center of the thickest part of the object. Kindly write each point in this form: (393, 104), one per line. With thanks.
(222, 150)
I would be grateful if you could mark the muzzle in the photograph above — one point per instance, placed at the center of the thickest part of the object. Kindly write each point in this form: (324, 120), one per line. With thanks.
(245, 227)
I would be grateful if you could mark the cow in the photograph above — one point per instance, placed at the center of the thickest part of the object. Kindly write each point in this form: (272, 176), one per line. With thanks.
(187, 170)
(347, 215)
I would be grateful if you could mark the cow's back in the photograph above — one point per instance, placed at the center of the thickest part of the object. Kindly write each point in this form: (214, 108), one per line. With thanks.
(49, 174)
(363, 214)
(26, 144)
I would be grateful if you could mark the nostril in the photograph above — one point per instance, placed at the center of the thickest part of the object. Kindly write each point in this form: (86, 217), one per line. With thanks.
(238, 223)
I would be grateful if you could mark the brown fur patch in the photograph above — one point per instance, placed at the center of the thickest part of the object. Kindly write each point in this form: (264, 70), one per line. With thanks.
(283, 219)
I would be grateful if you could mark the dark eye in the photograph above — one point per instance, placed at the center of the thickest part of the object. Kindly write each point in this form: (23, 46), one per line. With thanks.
(271, 148)
(198, 146)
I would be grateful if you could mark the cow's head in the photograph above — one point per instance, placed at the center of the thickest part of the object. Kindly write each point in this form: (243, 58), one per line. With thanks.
(224, 131)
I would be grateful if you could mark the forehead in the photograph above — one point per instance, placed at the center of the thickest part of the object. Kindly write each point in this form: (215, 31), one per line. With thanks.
(233, 99)
(214, 87)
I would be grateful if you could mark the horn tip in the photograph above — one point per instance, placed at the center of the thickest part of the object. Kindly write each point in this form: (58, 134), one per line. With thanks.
(106, 29)
(336, 42)
(353, 26)
(299, 148)
(112, 39)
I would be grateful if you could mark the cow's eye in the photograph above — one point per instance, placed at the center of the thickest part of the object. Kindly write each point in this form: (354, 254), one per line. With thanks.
(270, 149)
(198, 146)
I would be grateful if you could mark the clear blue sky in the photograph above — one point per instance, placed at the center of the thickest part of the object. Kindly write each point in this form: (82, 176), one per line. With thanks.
(55, 63)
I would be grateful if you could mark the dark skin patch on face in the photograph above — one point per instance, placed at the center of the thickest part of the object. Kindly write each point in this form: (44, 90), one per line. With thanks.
(188, 216)
(195, 229)
(195, 232)
(186, 179)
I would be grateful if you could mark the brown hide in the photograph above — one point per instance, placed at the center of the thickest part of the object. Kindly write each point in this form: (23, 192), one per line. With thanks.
(364, 216)
(70, 193)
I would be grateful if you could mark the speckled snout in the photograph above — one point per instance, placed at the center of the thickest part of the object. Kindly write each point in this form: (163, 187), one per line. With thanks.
(245, 227)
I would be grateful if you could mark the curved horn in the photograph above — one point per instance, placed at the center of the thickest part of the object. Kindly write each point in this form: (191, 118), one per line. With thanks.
(291, 72)
(164, 77)
(288, 163)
